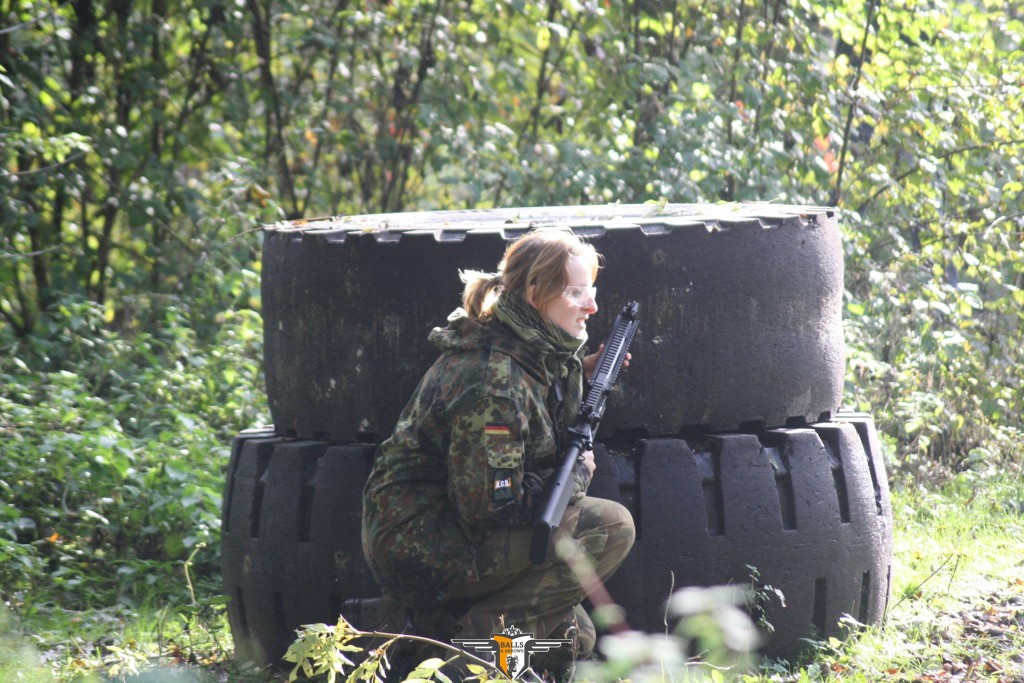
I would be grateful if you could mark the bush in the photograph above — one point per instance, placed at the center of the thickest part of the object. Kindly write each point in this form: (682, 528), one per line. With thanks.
(115, 446)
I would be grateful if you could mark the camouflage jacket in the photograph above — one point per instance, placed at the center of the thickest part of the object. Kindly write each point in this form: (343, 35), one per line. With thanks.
(471, 453)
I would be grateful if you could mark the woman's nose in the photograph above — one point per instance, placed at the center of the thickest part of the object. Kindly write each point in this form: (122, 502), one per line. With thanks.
(591, 306)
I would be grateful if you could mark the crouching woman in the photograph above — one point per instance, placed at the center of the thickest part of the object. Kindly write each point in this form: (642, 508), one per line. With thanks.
(449, 505)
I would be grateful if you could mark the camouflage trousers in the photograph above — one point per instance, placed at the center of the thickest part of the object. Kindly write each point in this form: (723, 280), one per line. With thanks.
(504, 589)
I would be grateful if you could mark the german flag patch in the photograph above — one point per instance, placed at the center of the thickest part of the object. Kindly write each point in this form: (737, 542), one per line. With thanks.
(495, 429)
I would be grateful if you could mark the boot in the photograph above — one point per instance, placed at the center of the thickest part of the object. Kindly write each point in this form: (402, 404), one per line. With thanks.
(377, 614)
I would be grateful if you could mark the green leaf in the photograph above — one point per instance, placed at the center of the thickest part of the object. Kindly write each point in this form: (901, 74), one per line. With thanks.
(543, 38)
(30, 130)
(701, 91)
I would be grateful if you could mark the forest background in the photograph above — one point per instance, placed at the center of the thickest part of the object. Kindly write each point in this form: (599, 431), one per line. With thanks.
(142, 144)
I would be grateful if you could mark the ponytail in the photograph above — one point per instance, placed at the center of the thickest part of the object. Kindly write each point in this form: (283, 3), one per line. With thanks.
(480, 293)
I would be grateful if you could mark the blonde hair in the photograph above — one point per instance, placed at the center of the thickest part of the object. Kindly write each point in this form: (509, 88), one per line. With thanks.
(538, 259)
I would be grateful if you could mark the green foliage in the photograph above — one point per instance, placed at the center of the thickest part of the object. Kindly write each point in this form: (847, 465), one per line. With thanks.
(114, 449)
(114, 180)
(18, 661)
(320, 650)
(935, 233)
(319, 653)
(709, 618)
(711, 622)
(141, 143)
(137, 139)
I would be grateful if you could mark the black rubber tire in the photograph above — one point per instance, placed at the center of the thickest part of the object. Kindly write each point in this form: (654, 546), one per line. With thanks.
(291, 552)
(807, 507)
(740, 312)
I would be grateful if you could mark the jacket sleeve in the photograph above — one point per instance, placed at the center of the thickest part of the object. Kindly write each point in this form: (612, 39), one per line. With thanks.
(486, 478)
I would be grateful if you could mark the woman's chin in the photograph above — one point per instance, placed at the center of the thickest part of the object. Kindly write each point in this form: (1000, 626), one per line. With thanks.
(578, 330)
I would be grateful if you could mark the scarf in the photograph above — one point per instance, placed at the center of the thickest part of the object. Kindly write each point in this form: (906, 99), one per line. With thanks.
(559, 351)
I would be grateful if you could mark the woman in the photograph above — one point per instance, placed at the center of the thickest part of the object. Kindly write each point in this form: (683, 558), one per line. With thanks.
(449, 505)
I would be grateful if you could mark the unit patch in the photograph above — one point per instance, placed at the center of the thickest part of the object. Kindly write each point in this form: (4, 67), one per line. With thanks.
(502, 485)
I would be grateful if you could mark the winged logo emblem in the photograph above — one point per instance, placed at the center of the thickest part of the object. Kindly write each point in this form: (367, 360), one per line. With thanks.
(511, 649)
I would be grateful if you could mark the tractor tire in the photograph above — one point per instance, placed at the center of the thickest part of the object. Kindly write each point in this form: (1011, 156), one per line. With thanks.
(807, 508)
(740, 309)
(804, 510)
(290, 538)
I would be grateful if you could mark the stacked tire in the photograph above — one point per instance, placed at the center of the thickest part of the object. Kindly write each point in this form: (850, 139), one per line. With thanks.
(724, 438)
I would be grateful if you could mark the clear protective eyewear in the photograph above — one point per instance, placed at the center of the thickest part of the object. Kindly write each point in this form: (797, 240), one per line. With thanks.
(579, 294)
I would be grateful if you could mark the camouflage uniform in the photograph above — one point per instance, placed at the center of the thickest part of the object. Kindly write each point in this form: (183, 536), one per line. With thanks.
(448, 507)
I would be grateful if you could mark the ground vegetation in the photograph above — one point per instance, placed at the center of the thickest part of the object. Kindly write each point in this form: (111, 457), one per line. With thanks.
(143, 144)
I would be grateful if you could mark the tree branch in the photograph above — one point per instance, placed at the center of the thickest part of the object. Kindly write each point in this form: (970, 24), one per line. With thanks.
(26, 24)
(837, 192)
(276, 148)
(914, 169)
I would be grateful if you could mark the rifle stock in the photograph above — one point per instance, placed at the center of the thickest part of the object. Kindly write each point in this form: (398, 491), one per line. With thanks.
(581, 436)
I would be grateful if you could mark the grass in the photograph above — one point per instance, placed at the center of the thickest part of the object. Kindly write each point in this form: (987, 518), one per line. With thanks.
(956, 611)
(957, 605)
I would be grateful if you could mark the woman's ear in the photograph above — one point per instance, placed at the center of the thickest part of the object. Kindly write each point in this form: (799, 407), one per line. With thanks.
(531, 295)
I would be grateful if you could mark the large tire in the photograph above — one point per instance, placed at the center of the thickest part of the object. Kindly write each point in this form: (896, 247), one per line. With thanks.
(808, 507)
(740, 312)
(291, 550)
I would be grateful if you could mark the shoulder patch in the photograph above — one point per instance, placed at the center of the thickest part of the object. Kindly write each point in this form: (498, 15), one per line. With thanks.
(499, 375)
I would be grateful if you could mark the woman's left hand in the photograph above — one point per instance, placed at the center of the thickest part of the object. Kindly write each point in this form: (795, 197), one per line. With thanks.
(587, 458)
(590, 362)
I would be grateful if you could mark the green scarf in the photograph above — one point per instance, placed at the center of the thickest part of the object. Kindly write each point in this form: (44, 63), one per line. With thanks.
(559, 350)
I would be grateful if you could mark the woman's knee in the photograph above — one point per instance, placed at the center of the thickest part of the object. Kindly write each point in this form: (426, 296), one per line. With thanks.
(598, 513)
(604, 528)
